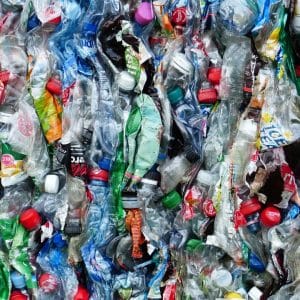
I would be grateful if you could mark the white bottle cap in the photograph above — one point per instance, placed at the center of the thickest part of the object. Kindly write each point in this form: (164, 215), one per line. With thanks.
(248, 127)
(51, 184)
(126, 81)
(182, 64)
(205, 177)
(221, 277)
(255, 293)
(296, 23)
(66, 138)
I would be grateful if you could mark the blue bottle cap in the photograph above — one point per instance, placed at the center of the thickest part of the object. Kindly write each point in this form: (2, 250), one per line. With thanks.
(58, 241)
(33, 22)
(162, 156)
(18, 280)
(105, 163)
(255, 264)
(175, 95)
(90, 27)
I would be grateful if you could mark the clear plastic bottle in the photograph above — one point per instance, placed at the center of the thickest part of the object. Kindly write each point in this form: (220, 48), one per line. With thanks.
(100, 218)
(100, 230)
(187, 116)
(179, 71)
(76, 205)
(173, 170)
(242, 148)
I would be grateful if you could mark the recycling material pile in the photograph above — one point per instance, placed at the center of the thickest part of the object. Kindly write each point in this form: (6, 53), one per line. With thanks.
(150, 149)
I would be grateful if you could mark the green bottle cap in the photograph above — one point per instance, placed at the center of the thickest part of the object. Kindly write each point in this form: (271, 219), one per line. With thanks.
(171, 200)
(175, 95)
(194, 244)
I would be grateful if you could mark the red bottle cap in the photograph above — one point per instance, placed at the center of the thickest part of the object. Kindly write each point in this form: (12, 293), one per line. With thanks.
(297, 69)
(179, 16)
(208, 95)
(209, 209)
(4, 76)
(82, 294)
(48, 283)
(30, 219)
(54, 86)
(56, 20)
(214, 75)
(270, 216)
(98, 174)
(17, 295)
(249, 207)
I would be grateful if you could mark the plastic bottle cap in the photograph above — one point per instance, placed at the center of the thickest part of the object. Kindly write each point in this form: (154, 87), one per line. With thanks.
(98, 174)
(30, 219)
(250, 206)
(56, 20)
(66, 138)
(171, 200)
(144, 13)
(214, 75)
(52, 183)
(221, 277)
(126, 81)
(182, 64)
(175, 95)
(48, 283)
(205, 177)
(105, 163)
(54, 86)
(248, 127)
(179, 16)
(209, 209)
(33, 22)
(255, 293)
(297, 70)
(270, 216)
(82, 294)
(59, 241)
(17, 295)
(233, 295)
(256, 264)
(4, 76)
(194, 245)
(207, 95)
(18, 280)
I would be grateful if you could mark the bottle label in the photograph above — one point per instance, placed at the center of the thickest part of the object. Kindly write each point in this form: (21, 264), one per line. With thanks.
(78, 166)
(272, 137)
(63, 154)
(88, 46)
